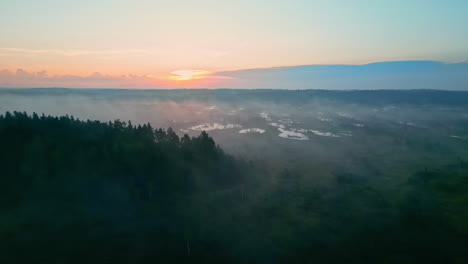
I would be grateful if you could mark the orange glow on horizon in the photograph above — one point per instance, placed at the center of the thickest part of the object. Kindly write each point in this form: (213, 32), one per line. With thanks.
(187, 75)
(183, 78)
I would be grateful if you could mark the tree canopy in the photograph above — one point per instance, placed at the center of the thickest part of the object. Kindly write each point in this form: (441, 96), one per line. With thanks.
(75, 191)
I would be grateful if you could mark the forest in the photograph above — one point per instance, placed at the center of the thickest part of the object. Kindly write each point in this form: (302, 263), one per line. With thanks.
(83, 191)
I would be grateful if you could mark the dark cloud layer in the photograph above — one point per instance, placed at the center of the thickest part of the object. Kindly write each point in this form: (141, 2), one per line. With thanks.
(383, 75)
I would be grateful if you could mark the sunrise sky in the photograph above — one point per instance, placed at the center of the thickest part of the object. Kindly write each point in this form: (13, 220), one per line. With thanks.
(150, 43)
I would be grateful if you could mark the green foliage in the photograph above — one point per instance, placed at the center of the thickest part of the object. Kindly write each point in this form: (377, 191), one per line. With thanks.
(90, 192)
(93, 188)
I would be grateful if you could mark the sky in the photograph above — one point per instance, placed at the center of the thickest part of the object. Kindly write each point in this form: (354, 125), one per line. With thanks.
(151, 43)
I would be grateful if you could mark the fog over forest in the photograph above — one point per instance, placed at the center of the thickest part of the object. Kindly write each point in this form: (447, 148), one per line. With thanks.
(243, 132)
(305, 176)
(326, 125)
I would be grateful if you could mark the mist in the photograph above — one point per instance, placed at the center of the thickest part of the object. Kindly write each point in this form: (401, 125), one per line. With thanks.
(235, 176)
(313, 129)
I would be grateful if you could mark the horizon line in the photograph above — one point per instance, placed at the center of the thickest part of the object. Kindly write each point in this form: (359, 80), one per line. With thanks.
(215, 89)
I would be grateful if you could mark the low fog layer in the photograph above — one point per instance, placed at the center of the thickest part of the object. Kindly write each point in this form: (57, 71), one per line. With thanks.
(284, 128)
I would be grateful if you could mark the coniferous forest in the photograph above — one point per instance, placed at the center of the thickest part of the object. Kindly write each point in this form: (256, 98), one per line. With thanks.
(81, 191)
(243, 132)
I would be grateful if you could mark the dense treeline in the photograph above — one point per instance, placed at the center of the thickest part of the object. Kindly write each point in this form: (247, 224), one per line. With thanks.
(91, 192)
(88, 186)
(151, 161)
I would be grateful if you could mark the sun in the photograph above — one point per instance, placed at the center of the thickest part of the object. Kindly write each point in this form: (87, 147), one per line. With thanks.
(186, 75)
(183, 78)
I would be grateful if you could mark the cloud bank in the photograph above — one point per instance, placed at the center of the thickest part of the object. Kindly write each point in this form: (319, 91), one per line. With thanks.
(382, 75)
(23, 78)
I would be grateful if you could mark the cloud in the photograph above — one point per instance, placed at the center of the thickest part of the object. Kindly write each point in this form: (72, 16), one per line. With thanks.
(5, 73)
(23, 78)
(20, 73)
(383, 75)
(70, 52)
